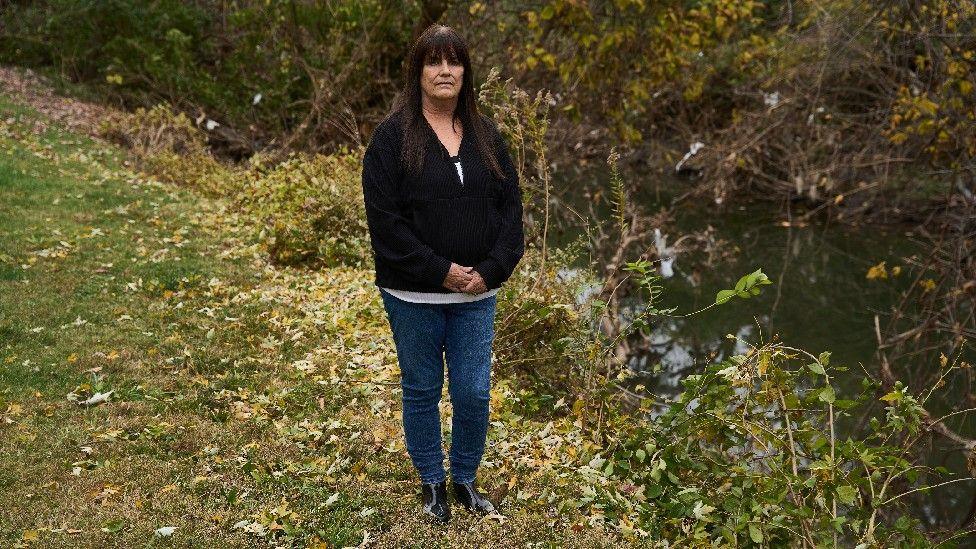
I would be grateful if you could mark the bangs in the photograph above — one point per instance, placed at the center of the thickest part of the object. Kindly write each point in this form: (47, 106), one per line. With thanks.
(443, 46)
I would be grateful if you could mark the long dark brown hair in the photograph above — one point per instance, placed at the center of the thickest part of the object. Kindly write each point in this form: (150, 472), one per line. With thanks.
(436, 43)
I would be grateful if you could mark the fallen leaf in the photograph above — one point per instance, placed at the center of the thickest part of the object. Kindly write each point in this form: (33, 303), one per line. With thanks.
(97, 398)
(165, 531)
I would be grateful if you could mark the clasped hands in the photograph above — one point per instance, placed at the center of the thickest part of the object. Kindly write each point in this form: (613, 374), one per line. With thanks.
(464, 279)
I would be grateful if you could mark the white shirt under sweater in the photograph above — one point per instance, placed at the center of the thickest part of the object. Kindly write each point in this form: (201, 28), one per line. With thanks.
(434, 297)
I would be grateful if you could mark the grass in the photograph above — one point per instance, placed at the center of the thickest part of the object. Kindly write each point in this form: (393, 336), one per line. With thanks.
(250, 405)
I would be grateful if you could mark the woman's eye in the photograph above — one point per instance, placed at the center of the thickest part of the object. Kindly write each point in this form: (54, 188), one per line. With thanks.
(449, 62)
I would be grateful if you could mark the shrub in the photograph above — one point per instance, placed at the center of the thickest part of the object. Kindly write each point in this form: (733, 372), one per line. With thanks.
(168, 146)
(201, 172)
(761, 449)
(271, 67)
(543, 333)
(310, 209)
(155, 130)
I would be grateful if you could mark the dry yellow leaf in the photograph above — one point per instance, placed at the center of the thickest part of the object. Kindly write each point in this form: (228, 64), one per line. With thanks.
(578, 406)
(878, 271)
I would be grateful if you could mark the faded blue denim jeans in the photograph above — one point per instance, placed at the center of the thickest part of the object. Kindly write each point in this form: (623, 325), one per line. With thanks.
(425, 335)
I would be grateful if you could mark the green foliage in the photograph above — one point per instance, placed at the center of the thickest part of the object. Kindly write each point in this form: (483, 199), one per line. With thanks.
(746, 287)
(748, 453)
(142, 47)
(310, 209)
(646, 46)
(618, 194)
(542, 339)
(201, 172)
(307, 209)
(649, 281)
(216, 57)
(524, 120)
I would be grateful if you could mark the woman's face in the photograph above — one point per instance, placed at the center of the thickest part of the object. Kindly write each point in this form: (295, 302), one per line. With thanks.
(441, 80)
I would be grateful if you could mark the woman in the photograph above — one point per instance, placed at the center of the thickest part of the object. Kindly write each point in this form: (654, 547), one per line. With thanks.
(444, 211)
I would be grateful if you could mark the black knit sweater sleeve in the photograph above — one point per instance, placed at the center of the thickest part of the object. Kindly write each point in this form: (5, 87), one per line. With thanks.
(510, 246)
(391, 237)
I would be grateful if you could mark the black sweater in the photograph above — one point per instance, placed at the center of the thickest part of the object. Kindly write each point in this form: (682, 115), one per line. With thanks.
(419, 224)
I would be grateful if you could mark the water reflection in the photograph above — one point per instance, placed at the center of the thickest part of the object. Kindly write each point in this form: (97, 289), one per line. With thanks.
(820, 298)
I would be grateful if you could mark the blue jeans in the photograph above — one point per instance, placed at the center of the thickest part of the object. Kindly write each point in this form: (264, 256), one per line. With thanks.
(425, 334)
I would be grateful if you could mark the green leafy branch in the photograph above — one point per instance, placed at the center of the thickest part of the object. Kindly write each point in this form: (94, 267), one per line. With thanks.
(747, 286)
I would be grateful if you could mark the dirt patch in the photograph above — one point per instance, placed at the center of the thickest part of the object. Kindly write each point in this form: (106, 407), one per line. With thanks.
(28, 88)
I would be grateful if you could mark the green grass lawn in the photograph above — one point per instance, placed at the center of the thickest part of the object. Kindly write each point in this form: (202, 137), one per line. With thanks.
(250, 405)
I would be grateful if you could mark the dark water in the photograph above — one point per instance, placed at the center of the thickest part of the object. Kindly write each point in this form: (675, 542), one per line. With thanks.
(820, 299)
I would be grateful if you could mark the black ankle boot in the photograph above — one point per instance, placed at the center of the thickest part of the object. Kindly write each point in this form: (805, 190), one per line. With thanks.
(466, 494)
(435, 501)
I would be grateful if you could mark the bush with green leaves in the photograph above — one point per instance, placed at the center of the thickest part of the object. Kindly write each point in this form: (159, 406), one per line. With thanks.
(542, 334)
(752, 453)
(310, 210)
(269, 69)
